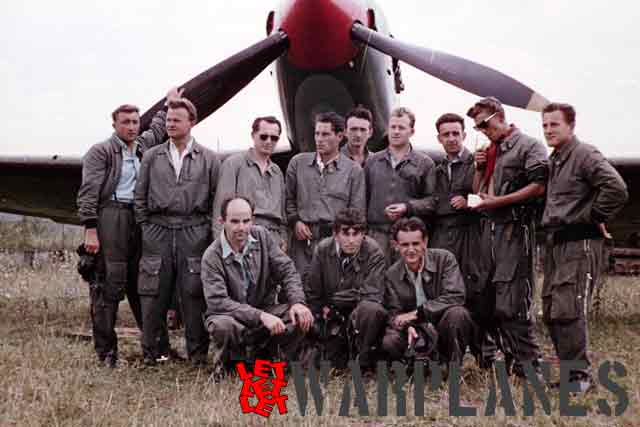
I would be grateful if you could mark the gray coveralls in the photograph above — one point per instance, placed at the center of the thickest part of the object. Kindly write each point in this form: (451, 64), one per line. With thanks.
(118, 234)
(458, 231)
(583, 191)
(315, 198)
(510, 233)
(442, 316)
(175, 215)
(238, 290)
(240, 175)
(412, 181)
(354, 287)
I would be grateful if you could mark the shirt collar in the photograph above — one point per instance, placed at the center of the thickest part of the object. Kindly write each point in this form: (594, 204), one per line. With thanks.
(124, 146)
(251, 161)
(188, 149)
(333, 161)
(510, 140)
(410, 273)
(228, 250)
(563, 153)
(410, 155)
(345, 150)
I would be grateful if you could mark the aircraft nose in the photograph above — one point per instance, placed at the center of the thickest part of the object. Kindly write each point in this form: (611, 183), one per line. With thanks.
(319, 32)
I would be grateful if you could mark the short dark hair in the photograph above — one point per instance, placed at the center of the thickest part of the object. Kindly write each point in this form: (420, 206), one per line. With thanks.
(408, 224)
(360, 112)
(124, 108)
(336, 120)
(269, 119)
(490, 104)
(226, 201)
(567, 110)
(449, 118)
(187, 105)
(350, 217)
(404, 111)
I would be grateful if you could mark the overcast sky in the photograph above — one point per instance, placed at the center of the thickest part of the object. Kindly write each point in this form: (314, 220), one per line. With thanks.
(64, 65)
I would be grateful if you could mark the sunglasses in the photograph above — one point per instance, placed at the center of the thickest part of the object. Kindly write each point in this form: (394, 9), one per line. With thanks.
(484, 123)
(273, 138)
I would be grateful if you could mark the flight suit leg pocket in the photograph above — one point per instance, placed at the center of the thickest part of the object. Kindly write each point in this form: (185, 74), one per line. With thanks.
(149, 275)
(565, 297)
(192, 280)
(505, 302)
(116, 280)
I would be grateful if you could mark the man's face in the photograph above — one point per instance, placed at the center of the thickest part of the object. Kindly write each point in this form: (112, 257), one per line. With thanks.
(238, 222)
(266, 138)
(127, 126)
(178, 123)
(412, 246)
(349, 239)
(358, 132)
(490, 128)
(327, 140)
(451, 136)
(557, 131)
(400, 131)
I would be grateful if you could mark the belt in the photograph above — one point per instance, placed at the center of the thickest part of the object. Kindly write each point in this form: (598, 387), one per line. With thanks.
(270, 224)
(456, 220)
(116, 204)
(179, 221)
(572, 233)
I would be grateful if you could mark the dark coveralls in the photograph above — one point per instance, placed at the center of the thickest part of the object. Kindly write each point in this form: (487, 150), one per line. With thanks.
(238, 291)
(510, 234)
(175, 215)
(583, 191)
(354, 286)
(443, 311)
(412, 181)
(458, 231)
(315, 198)
(118, 234)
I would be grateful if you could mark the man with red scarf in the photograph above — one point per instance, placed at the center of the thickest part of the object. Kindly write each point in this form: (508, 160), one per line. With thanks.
(510, 178)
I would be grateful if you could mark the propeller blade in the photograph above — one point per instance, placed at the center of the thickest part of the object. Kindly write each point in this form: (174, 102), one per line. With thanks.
(467, 75)
(214, 87)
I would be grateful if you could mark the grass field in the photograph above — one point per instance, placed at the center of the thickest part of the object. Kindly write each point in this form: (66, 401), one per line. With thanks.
(48, 378)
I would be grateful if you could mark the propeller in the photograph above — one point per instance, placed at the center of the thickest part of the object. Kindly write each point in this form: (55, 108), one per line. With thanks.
(467, 75)
(215, 86)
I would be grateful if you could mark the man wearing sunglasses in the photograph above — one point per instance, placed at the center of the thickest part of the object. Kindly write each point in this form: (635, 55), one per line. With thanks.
(510, 178)
(252, 174)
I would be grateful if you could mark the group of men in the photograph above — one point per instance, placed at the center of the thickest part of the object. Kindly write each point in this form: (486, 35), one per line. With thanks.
(357, 255)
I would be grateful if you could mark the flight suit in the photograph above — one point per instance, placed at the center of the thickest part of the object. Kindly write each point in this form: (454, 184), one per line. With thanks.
(353, 286)
(315, 198)
(412, 181)
(118, 234)
(175, 216)
(443, 310)
(238, 289)
(510, 234)
(583, 190)
(458, 231)
(240, 175)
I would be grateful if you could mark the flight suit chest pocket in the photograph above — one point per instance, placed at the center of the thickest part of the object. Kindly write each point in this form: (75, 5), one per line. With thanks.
(192, 281)
(149, 275)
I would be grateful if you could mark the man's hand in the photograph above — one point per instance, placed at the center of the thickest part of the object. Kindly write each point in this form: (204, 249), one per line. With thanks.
(402, 319)
(395, 211)
(480, 158)
(325, 312)
(174, 94)
(91, 242)
(301, 315)
(302, 231)
(603, 230)
(412, 335)
(274, 324)
(488, 202)
(458, 202)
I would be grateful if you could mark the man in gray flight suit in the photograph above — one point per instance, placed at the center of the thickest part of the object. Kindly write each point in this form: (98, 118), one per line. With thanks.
(359, 129)
(173, 203)
(457, 229)
(318, 186)
(400, 182)
(345, 278)
(583, 193)
(425, 298)
(105, 207)
(510, 178)
(241, 272)
(252, 174)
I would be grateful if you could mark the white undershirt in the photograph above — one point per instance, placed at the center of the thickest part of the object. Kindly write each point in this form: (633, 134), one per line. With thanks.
(177, 158)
